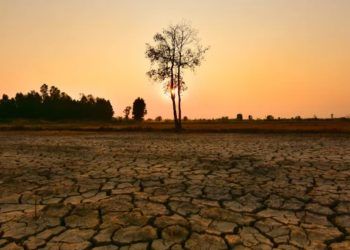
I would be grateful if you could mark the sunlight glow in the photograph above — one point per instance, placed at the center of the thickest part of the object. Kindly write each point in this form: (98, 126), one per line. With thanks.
(266, 57)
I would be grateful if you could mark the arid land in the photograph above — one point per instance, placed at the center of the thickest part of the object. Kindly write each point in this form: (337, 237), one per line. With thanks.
(89, 190)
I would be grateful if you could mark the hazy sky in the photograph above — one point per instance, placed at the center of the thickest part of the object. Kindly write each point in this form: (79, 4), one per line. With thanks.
(280, 57)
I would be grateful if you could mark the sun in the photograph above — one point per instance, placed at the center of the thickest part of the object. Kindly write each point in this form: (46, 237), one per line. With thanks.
(165, 91)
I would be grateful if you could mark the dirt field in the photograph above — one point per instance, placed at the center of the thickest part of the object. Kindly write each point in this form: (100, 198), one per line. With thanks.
(66, 190)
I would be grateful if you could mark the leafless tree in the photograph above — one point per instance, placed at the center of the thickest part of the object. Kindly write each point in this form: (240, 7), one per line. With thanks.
(126, 112)
(175, 49)
(162, 56)
(190, 54)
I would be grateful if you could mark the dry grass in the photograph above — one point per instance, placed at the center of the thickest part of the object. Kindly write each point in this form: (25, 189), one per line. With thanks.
(277, 126)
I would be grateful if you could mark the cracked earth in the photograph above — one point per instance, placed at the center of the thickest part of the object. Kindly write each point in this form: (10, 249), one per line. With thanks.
(168, 191)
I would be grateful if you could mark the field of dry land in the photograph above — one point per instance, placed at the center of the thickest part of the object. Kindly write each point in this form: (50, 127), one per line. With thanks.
(87, 190)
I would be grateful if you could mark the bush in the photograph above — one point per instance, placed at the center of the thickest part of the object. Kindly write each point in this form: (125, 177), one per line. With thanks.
(270, 118)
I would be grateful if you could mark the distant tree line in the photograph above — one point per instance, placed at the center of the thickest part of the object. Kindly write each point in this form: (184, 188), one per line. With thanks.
(52, 104)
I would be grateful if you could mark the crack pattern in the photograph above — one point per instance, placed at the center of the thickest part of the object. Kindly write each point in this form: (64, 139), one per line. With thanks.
(167, 191)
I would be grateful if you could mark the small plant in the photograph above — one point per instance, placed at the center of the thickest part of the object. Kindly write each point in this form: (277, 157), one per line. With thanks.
(239, 117)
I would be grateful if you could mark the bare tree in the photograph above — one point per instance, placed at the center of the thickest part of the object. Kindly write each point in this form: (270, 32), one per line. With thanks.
(126, 112)
(190, 54)
(176, 48)
(162, 56)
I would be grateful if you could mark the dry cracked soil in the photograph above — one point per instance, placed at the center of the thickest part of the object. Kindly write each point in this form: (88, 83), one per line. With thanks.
(167, 191)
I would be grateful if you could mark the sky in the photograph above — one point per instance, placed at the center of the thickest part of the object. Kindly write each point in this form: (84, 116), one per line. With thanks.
(280, 57)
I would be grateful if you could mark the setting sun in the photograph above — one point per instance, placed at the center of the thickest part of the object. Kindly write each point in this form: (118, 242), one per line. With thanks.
(174, 125)
(285, 58)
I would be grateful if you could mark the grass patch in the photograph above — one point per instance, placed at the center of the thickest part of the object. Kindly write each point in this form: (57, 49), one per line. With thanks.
(260, 126)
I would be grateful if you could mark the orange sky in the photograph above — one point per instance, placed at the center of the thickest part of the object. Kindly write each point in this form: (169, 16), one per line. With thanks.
(278, 57)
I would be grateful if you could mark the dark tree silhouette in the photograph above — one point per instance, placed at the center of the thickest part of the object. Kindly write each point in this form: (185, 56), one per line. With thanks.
(53, 104)
(44, 89)
(189, 55)
(239, 117)
(7, 107)
(139, 109)
(162, 56)
(126, 112)
(270, 118)
(176, 48)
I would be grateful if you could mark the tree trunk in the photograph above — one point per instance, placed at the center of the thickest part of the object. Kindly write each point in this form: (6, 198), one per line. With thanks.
(179, 95)
(176, 123)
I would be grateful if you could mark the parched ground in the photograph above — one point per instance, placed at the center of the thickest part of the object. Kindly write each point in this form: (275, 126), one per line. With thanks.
(168, 191)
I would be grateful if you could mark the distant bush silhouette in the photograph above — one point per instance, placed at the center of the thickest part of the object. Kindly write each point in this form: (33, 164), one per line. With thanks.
(239, 117)
(270, 118)
(139, 109)
(250, 117)
(223, 119)
(185, 118)
(158, 119)
(52, 104)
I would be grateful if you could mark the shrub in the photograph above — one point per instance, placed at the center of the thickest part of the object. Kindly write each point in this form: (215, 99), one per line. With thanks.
(158, 119)
(270, 118)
